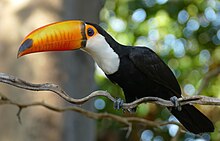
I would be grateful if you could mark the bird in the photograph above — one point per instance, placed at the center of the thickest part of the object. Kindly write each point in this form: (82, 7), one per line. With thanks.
(138, 70)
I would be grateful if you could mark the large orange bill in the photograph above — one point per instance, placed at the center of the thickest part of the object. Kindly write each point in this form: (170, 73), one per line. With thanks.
(60, 36)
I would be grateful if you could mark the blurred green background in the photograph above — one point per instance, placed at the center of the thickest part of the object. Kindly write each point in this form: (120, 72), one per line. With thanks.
(184, 33)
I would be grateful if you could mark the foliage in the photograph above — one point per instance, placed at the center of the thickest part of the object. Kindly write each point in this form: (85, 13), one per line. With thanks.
(186, 34)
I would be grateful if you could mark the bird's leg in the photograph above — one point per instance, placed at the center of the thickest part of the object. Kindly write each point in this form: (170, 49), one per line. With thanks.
(118, 103)
(176, 103)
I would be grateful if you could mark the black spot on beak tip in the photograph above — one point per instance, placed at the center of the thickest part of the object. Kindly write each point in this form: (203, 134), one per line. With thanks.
(25, 45)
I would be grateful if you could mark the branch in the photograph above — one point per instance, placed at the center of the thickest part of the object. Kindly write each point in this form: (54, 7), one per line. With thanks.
(14, 81)
(201, 100)
(207, 77)
(124, 120)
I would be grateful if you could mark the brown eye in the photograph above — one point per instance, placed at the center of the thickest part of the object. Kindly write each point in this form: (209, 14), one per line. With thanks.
(90, 31)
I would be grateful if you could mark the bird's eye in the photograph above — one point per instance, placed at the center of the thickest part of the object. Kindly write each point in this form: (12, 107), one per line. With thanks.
(90, 31)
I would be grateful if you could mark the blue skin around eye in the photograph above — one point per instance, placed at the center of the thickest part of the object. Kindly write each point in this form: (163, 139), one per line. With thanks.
(90, 31)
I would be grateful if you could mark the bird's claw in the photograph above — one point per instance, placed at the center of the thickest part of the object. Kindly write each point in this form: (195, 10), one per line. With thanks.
(176, 103)
(132, 110)
(118, 103)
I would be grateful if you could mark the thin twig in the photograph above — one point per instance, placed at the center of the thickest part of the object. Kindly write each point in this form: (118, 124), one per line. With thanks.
(206, 79)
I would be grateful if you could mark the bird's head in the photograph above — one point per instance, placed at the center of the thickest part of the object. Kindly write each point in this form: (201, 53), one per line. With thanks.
(59, 36)
(72, 35)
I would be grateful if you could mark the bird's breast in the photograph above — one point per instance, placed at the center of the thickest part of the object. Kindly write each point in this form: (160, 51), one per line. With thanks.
(133, 82)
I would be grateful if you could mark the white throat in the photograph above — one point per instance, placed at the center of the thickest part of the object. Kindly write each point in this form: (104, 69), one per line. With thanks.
(103, 54)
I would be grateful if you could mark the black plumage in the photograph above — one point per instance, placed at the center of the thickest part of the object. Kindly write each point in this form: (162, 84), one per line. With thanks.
(142, 73)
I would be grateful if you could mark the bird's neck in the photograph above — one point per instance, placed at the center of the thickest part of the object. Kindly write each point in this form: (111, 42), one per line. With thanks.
(106, 58)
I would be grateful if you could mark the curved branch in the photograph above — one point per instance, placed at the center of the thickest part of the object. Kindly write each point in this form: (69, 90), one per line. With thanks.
(201, 100)
(124, 120)
(14, 81)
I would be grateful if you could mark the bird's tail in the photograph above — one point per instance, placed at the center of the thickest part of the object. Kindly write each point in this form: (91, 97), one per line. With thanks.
(193, 120)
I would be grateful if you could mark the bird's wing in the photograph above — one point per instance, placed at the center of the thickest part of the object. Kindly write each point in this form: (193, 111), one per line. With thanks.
(149, 63)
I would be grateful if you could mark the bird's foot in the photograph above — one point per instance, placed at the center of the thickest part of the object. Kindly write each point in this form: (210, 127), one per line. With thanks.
(132, 110)
(176, 103)
(118, 103)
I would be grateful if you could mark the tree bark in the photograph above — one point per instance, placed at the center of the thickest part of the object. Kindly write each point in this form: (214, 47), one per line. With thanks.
(80, 69)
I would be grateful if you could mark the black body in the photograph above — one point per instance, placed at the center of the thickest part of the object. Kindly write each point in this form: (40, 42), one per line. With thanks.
(142, 73)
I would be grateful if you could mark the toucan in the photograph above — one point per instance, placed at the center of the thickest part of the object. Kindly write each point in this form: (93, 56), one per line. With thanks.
(139, 71)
